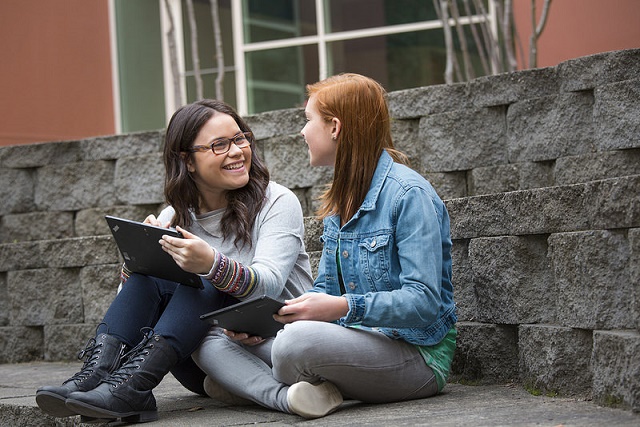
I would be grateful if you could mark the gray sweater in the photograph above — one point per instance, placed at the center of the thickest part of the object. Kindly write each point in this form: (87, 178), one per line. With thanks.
(277, 253)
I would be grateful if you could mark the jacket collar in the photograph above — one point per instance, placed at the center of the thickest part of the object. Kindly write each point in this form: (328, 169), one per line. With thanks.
(382, 170)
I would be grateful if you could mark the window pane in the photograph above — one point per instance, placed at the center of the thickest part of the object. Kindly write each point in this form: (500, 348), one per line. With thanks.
(206, 42)
(140, 65)
(397, 61)
(346, 15)
(276, 78)
(209, 87)
(207, 50)
(278, 19)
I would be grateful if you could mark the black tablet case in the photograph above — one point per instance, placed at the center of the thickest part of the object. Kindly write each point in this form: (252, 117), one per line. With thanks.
(254, 317)
(138, 244)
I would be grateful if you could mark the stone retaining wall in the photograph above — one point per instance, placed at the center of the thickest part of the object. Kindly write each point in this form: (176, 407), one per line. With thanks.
(540, 171)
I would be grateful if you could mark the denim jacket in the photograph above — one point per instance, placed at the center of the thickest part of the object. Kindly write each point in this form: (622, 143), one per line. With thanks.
(395, 258)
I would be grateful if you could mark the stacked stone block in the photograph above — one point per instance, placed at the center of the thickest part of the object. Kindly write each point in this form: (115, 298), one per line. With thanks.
(540, 171)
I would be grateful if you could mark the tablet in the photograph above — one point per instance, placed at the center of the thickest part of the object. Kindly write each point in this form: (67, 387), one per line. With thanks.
(254, 317)
(138, 244)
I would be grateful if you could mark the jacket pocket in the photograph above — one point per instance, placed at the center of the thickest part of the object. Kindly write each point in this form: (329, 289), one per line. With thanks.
(375, 257)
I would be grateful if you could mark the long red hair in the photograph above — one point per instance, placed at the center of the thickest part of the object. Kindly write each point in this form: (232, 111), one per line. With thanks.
(360, 104)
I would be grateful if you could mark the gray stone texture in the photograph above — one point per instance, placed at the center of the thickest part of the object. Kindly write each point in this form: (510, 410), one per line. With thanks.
(312, 232)
(405, 138)
(597, 166)
(64, 342)
(74, 186)
(448, 185)
(41, 154)
(91, 222)
(616, 368)
(464, 290)
(21, 344)
(510, 177)
(16, 191)
(45, 296)
(513, 280)
(447, 146)
(539, 170)
(32, 226)
(634, 271)
(507, 88)
(616, 115)
(4, 301)
(288, 162)
(555, 360)
(277, 123)
(592, 280)
(99, 284)
(551, 127)
(139, 180)
(120, 146)
(613, 203)
(486, 353)
(74, 252)
(415, 103)
(600, 69)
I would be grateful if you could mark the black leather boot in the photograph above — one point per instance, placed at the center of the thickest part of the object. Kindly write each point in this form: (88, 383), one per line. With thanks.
(102, 356)
(127, 393)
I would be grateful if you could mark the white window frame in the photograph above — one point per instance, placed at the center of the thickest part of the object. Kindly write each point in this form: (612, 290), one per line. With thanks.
(240, 48)
(115, 72)
(169, 98)
(321, 40)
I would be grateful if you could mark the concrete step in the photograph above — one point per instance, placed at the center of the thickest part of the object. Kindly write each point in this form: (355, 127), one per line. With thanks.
(459, 405)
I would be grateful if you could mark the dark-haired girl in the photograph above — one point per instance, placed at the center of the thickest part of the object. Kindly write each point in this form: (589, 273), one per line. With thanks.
(243, 235)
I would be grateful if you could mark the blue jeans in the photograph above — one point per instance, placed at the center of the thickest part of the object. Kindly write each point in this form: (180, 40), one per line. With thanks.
(173, 311)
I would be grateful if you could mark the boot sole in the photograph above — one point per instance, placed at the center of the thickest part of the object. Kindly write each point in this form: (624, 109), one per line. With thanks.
(53, 404)
(96, 412)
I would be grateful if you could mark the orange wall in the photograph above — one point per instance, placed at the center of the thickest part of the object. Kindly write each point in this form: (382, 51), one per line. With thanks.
(55, 72)
(579, 27)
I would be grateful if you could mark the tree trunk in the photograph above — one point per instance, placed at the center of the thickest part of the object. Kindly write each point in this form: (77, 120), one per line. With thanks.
(173, 57)
(537, 30)
(195, 55)
(468, 66)
(217, 36)
(507, 33)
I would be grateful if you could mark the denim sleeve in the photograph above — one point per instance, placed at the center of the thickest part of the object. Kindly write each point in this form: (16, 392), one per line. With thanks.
(415, 300)
(319, 284)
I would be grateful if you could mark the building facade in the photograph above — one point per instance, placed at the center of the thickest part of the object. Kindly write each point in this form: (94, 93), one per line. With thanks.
(75, 69)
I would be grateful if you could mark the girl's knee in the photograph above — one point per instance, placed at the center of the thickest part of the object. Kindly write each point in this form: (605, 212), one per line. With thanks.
(209, 345)
(294, 338)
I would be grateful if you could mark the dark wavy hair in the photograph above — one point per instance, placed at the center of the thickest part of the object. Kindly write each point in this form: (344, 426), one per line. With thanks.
(180, 191)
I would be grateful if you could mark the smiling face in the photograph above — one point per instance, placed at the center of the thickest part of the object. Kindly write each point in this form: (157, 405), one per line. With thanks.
(216, 174)
(320, 135)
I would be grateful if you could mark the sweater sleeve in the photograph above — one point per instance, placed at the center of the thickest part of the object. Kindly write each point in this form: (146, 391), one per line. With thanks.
(232, 277)
(278, 241)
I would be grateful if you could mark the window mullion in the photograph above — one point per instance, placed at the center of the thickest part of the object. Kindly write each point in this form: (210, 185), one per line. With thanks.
(239, 57)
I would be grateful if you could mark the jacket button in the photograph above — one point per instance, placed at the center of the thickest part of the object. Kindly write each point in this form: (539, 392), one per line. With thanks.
(352, 285)
(345, 254)
(373, 243)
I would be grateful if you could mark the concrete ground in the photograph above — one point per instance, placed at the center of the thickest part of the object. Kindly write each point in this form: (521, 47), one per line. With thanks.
(459, 405)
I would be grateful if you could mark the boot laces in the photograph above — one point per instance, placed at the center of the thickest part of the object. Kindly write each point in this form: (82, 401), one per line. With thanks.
(132, 359)
(91, 354)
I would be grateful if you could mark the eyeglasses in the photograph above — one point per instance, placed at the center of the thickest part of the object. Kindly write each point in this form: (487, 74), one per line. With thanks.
(222, 145)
